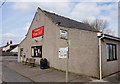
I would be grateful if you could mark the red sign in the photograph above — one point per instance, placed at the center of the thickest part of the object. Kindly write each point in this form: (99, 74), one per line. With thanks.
(38, 32)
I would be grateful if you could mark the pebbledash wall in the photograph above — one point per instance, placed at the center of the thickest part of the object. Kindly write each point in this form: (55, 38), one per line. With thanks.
(109, 67)
(83, 48)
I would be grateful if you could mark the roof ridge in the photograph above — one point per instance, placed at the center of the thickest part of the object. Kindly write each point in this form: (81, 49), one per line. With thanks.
(68, 22)
(63, 16)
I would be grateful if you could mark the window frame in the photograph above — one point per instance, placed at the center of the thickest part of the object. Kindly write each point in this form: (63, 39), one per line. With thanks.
(34, 51)
(111, 52)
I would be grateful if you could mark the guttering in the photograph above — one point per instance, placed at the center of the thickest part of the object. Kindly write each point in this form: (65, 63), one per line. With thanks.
(100, 36)
(113, 38)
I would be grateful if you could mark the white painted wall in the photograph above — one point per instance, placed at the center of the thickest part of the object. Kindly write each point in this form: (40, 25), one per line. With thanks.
(15, 49)
(6, 48)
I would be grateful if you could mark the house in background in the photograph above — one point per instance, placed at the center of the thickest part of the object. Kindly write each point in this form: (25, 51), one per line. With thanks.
(10, 49)
(90, 52)
(14, 48)
(7, 46)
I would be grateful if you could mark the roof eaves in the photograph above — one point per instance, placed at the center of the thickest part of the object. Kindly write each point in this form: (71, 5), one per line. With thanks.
(111, 37)
(93, 28)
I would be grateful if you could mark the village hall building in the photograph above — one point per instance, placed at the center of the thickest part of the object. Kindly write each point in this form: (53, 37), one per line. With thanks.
(91, 53)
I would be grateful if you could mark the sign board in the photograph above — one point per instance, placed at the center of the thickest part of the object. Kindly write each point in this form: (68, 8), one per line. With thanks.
(63, 34)
(38, 32)
(63, 52)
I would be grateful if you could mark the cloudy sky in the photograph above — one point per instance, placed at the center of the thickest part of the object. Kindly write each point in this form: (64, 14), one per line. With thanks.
(17, 16)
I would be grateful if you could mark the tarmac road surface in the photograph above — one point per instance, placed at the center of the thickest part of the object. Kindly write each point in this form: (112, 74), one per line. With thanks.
(11, 76)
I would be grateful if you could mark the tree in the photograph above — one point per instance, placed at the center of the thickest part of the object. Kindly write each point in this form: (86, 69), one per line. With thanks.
(100, 25)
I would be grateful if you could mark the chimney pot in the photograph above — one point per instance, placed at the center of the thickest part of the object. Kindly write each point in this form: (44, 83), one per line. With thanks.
(10, 42)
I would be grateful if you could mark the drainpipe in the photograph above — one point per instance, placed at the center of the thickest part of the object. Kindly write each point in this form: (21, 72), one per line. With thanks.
(100, 35)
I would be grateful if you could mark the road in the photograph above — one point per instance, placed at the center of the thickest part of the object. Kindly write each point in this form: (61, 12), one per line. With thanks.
(9, 75)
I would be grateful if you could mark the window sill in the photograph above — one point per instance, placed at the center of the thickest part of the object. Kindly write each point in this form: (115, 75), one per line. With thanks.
(111, 60)
(36, 57)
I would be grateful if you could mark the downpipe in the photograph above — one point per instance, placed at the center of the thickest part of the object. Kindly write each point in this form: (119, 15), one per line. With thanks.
(100, 55)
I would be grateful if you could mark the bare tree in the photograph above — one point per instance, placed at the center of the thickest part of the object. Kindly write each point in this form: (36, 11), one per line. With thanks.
(98, 24)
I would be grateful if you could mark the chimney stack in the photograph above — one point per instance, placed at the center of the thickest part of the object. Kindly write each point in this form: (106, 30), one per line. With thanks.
(7, 43)
(11, 42)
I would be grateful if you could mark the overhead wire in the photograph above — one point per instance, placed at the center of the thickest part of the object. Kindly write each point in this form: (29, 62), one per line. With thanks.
(2, 3)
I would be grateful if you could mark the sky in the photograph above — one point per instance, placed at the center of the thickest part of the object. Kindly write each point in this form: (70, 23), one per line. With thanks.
(17, 15)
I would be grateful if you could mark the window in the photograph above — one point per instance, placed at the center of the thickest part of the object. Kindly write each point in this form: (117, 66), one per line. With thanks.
(21, 52)
(111, 52)
(36, 51)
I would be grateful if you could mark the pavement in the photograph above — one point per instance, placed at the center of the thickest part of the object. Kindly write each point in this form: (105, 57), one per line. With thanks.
(113, 78)
(35, 74)
(43, 75)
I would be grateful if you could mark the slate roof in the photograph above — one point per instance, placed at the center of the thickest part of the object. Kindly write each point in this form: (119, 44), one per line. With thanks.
(69, 23)
(12, 47)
